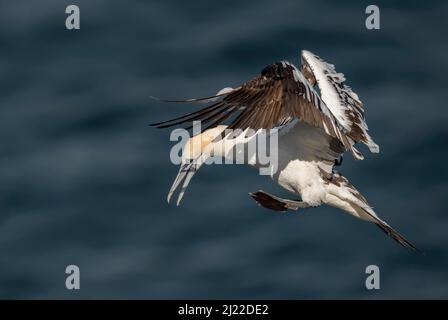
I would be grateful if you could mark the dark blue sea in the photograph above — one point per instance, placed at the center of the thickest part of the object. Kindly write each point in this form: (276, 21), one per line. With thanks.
(83, 178)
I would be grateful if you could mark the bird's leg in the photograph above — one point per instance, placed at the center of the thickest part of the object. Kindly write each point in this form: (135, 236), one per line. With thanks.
(272, 202)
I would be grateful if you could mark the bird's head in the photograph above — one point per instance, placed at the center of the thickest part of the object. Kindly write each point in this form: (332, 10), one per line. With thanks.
(201, 144)
(197, 149)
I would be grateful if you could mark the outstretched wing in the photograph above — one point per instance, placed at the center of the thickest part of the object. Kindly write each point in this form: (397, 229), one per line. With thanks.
(277, 96)
(339, 98)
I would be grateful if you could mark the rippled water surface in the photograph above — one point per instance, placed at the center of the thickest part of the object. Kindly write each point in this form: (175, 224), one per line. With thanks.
(83, 179)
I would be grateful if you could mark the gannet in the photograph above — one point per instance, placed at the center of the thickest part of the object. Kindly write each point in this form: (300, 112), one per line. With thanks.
(318, 118)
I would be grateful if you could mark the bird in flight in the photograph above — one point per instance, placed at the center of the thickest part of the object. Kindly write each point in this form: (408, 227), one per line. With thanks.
(317, 117)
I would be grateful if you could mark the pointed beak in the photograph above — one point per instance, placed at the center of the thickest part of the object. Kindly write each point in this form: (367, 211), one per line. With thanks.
(186, 172)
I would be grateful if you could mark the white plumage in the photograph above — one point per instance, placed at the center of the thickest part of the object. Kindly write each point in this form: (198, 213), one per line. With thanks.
(314, 130)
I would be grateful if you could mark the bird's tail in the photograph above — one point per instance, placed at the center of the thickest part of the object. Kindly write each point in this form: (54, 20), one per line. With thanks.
(371, 216)
(344, 195)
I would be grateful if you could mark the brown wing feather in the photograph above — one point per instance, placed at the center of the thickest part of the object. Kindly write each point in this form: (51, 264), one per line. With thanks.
(280, 94)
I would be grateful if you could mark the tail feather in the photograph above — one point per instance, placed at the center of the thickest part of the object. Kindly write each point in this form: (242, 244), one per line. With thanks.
(386, 228)
(371, 216)
(391, 232)
(353, 202)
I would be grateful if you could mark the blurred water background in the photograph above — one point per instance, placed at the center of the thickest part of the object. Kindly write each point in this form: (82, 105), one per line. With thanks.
(83, 179)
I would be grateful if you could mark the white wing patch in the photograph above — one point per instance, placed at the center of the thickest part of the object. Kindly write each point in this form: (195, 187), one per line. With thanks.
(335, 130)
(224, 91)
(343, 103)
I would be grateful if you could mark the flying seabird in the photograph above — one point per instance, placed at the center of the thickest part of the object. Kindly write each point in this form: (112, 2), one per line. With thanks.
(318, 118)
